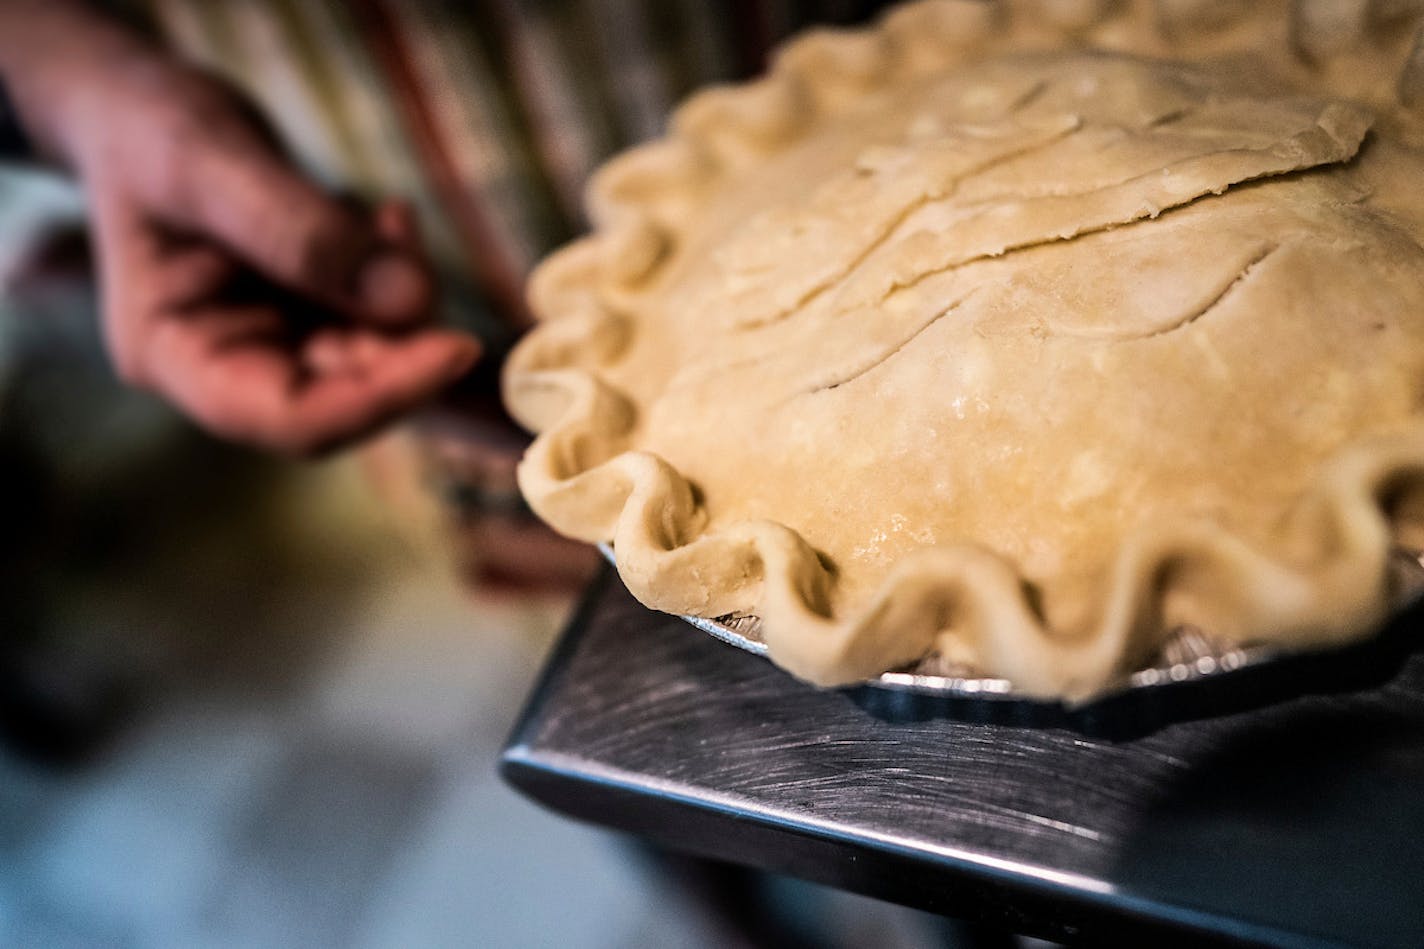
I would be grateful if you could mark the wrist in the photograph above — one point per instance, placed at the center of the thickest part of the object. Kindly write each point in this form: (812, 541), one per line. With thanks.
(56, 58)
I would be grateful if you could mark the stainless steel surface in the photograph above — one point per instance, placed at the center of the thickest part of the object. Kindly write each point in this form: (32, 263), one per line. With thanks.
(1187, 658)
(1295, 824)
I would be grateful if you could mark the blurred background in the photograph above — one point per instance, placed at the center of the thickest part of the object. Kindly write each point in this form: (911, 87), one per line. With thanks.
(250, 702)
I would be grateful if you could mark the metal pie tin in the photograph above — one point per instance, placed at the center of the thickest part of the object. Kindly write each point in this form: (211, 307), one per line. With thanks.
(1193, 676)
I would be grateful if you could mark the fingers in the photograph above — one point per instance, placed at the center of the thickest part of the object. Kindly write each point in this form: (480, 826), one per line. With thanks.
(257, 205)
(128, 259)
(144, 274)
(385, 377)
(219, 175)
(395, 222)
(392, 288)
(241, 384)
(195, 195)
(254, 371)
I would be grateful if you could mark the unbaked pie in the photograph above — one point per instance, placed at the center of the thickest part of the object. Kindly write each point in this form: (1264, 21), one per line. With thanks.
(1021, 337)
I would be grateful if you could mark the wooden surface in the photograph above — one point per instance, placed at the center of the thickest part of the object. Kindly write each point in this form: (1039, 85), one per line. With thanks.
(1301, 824)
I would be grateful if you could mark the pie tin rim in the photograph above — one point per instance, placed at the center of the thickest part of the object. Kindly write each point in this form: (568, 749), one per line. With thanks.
(1212, 667)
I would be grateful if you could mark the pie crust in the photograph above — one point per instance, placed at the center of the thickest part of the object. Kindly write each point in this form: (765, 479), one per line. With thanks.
(1020, 335)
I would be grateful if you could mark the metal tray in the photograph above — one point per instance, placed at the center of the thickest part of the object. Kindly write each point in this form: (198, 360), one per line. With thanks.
(1193, 677)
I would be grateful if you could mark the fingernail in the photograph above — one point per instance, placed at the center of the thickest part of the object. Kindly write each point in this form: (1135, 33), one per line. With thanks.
(394, 287)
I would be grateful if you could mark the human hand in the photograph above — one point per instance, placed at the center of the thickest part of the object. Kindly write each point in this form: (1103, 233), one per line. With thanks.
(266, 309)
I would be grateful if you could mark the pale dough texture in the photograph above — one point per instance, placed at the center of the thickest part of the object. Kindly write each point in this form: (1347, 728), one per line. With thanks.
(1021, 344)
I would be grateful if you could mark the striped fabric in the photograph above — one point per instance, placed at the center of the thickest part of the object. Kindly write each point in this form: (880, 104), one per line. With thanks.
(488, 115)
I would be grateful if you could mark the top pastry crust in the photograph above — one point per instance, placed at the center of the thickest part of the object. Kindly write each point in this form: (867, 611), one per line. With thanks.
(1020, 339)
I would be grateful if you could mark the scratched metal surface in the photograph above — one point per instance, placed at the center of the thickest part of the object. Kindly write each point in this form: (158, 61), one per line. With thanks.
(1298, 824)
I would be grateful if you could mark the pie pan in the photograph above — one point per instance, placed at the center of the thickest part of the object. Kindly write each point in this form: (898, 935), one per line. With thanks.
(1193, 677)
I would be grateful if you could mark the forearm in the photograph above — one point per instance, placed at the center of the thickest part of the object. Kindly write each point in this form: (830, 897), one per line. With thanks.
(51, 53)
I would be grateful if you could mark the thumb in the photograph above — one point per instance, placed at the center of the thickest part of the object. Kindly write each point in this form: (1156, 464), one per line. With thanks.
(250, 199)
